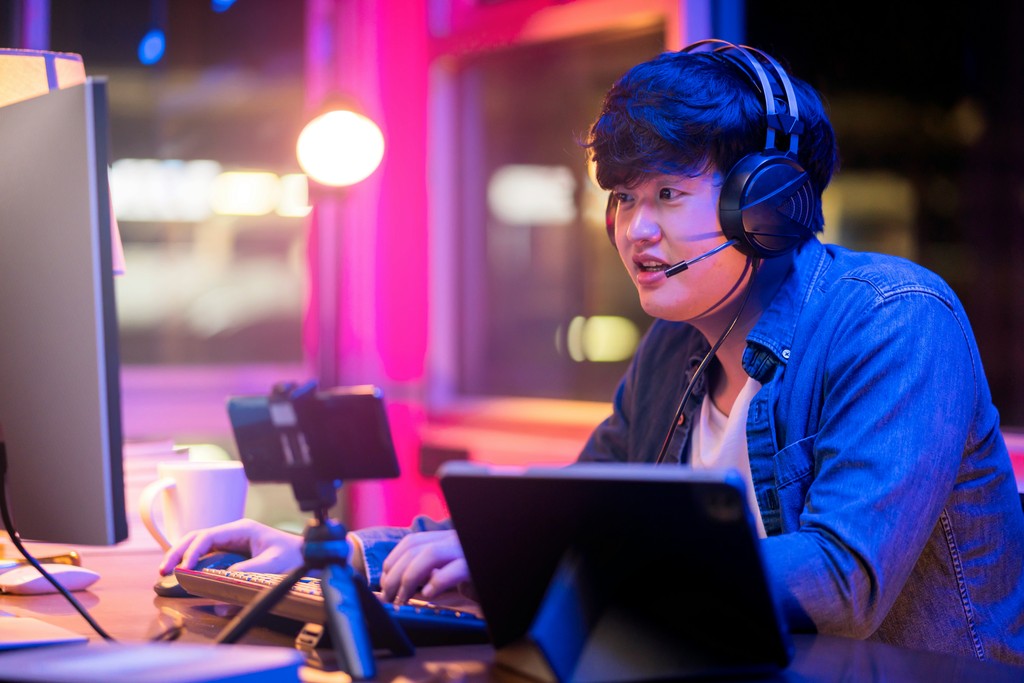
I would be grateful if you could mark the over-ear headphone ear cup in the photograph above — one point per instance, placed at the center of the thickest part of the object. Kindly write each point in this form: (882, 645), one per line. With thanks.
(768, 205)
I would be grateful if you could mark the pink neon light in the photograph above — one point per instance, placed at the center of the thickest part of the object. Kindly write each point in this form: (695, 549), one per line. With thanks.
(381, 61)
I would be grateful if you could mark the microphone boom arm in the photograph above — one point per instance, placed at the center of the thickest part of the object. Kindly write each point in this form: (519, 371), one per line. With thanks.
(683, 265)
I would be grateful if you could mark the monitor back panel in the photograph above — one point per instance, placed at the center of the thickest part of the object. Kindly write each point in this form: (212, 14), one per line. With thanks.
(59, 355)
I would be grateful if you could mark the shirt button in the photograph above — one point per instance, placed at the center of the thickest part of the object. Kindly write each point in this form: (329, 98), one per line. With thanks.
(785, 353)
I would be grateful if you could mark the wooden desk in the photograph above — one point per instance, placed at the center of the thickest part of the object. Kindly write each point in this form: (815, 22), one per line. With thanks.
(124, 604)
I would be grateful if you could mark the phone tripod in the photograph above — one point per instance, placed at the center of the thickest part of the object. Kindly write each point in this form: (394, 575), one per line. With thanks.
(354, 618)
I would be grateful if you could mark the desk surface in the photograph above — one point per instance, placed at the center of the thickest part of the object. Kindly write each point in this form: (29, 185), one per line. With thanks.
(124, 604)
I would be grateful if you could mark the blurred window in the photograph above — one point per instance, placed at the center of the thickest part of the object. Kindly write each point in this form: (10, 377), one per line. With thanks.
(545, 308)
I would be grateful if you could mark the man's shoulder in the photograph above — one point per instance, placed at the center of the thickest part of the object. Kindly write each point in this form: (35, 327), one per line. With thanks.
(886, 273)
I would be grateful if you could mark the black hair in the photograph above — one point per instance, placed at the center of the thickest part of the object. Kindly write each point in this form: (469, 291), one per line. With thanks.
(685, 113)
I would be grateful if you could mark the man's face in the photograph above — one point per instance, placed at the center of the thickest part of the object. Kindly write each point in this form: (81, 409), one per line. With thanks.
(666, 219)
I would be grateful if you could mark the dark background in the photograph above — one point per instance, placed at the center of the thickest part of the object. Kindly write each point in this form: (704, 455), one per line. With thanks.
(896, 75)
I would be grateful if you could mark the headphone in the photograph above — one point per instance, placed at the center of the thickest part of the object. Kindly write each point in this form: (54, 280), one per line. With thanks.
(768, 205)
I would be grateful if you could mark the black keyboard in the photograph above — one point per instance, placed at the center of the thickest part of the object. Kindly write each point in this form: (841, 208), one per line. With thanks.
(423, 622)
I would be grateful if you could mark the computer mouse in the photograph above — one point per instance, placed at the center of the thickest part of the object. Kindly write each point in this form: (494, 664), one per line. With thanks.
(168, 586)
(26, 579)
(219, 560)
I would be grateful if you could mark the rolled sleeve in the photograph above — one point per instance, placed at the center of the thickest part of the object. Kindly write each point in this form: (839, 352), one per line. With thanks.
(377, 542)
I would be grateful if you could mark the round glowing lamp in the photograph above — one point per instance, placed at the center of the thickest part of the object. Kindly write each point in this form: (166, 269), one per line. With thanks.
(340, 148)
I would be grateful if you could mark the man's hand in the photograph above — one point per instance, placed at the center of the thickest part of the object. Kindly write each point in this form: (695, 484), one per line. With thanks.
(270, 550)
(427, 562)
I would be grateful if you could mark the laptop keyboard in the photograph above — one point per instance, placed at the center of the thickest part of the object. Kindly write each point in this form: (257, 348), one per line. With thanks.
(423, 622)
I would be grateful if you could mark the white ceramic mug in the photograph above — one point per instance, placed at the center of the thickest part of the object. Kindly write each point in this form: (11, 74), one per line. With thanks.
(195, 494)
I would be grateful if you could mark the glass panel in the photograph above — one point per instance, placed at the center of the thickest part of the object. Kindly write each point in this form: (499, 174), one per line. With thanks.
(546, 307)
(209, 281)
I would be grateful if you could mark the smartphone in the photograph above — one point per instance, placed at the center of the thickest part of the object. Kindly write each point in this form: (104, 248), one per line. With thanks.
(344, 431)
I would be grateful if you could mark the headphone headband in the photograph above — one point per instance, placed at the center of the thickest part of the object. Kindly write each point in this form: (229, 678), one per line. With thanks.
(787, 122)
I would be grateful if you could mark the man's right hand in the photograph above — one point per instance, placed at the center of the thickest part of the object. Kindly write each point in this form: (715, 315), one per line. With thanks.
(270, 550)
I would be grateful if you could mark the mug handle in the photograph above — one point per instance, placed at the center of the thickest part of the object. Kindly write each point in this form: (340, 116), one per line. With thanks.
(147, 501)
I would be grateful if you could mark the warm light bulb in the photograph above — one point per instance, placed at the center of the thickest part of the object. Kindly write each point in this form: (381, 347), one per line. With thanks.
(340, 148)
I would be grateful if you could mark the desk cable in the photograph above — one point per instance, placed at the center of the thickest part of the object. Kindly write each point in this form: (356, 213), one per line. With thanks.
(16, 540)
(170, 633)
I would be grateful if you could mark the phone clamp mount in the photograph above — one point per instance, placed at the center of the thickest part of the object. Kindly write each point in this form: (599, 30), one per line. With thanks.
(354, 618)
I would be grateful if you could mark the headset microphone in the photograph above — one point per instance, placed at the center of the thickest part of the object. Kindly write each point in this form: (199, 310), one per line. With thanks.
(683, 265)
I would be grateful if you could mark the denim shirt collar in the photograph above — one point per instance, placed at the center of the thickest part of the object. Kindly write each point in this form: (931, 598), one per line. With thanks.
(769, 343)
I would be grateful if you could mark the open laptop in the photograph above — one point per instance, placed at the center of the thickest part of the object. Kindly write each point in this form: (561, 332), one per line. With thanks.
(601, 572)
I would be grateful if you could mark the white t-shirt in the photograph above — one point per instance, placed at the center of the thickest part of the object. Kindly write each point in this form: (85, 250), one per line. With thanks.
(720, 442)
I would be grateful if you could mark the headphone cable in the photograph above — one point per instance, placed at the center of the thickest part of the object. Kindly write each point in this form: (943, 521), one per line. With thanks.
(705, 362)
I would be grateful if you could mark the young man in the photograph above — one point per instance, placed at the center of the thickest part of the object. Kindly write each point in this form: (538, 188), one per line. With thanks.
(846, 387)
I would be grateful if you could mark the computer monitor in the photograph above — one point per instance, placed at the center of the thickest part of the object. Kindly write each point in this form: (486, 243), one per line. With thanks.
(60, 395)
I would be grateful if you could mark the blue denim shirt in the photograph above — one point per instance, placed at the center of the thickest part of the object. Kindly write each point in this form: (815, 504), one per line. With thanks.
(879, 468)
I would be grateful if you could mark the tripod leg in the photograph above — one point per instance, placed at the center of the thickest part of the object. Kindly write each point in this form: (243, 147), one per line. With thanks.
(238, 626)
(384, 630)
(344, 620)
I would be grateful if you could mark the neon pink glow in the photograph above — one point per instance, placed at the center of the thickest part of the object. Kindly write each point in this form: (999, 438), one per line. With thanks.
(397, 501)
(381, 225)
(402, 248)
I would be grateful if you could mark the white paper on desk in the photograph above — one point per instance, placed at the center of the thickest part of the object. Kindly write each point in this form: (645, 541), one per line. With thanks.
(152, 663)
(21, 632)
